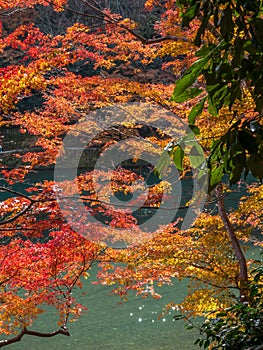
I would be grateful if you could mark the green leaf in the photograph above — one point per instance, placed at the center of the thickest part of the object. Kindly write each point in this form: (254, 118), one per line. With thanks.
(189, 77)
(211, 107)
(235, 94)
(250, 5)
(255, 164)
(246, 172)
(206, 344)
(189, 327)
(259, 103)
(205, 50)
(178, 317)
(248, 141)
(238, 164)
(255, 127)
(194, 129)
(216, 18)
(217, 96)
(258, 32)
(197, 68)
(202, 27)
(196, 110)
(196, 156)
(190, 14)
(188, 94)
(216, 176)
(178, 156)
(212, 87)
(238, 52)
(201, 342)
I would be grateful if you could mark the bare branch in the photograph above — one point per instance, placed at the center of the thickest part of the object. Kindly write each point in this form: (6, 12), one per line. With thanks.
(19, 228)
(17, 193)
(109, 19)
(99, 201)
(11, 12)
(63, 330)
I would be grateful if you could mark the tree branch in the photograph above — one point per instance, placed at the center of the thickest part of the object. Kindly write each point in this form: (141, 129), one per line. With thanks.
(111, 20)
(63, 330)
(125, 205)
(12, 11)
(16, 216)
(242, 279)
(32, 201)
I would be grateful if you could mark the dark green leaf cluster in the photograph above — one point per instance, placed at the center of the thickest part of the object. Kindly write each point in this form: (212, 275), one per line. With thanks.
(235, 154)
(186, 146)
(235, 59)
(230, 63)
(239, 151)
(240, 327)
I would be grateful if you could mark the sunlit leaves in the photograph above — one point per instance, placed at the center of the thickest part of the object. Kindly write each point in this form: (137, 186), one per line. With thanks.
(195, 254)
(85, 68)
(46, 273)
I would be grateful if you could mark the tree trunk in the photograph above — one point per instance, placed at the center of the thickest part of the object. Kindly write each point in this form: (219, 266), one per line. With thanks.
(243, 274)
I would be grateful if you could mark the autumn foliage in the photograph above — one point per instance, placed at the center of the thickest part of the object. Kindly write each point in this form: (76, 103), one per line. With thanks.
(54, 80)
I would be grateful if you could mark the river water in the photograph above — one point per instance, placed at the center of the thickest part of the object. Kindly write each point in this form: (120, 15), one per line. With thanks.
(110, 325)
(133, 325)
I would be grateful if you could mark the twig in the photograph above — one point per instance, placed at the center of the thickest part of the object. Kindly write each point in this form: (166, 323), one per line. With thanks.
(63, 330)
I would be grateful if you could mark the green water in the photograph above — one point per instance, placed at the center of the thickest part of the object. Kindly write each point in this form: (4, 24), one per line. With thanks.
(132, 325)
(109, 325)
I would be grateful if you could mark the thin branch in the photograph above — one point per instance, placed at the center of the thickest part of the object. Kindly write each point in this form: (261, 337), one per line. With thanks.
(122, 205)
(109, 19)
(63, 330)
(32, 201)
(19, 228)
(13, 218)
(11, 12)
(17, 193)
(210, 283)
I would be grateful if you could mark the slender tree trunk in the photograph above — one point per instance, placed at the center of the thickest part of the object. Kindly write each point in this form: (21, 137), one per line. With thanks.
(243, 274)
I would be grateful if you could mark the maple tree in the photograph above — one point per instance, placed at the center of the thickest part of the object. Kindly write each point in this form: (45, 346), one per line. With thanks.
(47, 248)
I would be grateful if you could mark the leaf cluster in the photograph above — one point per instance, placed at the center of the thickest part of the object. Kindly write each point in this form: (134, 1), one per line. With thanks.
(239, 327)
(237, 152)
(229, 63)
(232, 58)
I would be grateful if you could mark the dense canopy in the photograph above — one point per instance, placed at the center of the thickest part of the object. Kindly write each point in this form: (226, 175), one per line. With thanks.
(148, 114)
